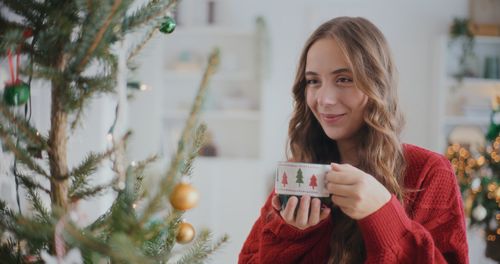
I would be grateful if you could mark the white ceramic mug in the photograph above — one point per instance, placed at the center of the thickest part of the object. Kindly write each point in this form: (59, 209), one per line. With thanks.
(294, 178)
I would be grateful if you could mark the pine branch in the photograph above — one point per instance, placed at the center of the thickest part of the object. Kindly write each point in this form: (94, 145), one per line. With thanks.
(99, 36)
(148, 12)
(195, 148)
(24, 127)
(36, 234)
(126, 249)
(10, 40)
(23, 8)
(29, 183)
(86, 168)
(101, 224)
(90, 86)
(166, 184)
(201, 248)
(138, 171)
(123, 217)
(154, 238)
(86, 192)
(104, 219)
(224, 239)
(21, 155)
(87, 241)
(43, 214)
(6, 214)
(173, 220)
(80, 174)
(140, 46)
(119, 247)
(85, 7)
(8, 252)
(43, 72)
(89, 28)
(79, 188)
(7, 24)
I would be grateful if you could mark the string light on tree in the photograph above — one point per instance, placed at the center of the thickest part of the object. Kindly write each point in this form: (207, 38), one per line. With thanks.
(478, 172)
(479, 213)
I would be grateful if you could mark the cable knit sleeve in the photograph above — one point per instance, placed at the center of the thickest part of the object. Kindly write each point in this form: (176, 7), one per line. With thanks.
(433, 231)
(271, 240)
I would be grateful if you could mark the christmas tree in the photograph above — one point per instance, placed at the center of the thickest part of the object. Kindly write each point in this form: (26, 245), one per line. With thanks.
(313, 182)
(284, 180)
(71, 45)
(478, 174)
(299, 177)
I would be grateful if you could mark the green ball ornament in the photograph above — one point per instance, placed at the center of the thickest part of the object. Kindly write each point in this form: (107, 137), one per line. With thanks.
(16, 94)
(168, 26)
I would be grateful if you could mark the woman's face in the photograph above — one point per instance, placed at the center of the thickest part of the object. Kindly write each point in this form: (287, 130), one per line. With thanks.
(331, 93)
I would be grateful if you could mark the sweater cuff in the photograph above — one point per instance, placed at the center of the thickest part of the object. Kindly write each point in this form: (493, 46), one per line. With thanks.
(386, 226)
(282, 230)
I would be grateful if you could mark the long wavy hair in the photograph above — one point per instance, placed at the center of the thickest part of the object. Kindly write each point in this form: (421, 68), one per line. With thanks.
(380, 151)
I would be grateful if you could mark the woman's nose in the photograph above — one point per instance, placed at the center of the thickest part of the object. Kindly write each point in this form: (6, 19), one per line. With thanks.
(327, 95)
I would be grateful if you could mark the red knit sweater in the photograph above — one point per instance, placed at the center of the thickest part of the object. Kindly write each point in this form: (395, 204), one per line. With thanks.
(428, 228)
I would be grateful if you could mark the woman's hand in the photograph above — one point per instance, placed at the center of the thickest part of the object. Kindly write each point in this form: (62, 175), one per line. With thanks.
(304, 218)
(357, 193)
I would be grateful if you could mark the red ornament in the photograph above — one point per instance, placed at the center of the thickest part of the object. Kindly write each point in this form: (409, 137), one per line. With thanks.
(28, 33)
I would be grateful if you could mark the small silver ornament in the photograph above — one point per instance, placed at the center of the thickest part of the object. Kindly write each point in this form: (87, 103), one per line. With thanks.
(479, 213)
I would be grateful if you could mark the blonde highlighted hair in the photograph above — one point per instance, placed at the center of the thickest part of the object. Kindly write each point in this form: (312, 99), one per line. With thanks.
(380, 150)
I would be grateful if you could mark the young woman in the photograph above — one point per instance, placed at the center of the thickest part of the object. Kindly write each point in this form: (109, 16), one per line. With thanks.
(392, 202)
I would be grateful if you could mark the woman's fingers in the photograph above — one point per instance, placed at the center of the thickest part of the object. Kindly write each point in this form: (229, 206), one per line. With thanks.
(315, 212)
(341, 177)
(288, 213)
(341, 201)
(275, 202)
(303, 213)
(341, 189)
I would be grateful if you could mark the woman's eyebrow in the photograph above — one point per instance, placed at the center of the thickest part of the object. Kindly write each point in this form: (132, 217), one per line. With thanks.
(337, 71)
(341, 70)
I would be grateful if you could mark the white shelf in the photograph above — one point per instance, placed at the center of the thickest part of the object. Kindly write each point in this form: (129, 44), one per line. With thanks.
(233, 100)
(474, 81)
(467, 120)
(173, 75)
(232, 115)
(223, 161)
(472, 95)
(203, 31)
(487, 40)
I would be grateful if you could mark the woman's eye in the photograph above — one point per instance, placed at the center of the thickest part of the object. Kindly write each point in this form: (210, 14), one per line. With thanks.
(311, 82)
(344, 80)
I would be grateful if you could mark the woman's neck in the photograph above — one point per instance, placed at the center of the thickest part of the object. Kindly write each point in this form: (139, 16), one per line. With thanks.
(348, 151)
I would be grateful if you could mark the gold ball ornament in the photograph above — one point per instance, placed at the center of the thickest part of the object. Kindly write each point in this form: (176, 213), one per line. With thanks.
(185, 233)
(184, 197)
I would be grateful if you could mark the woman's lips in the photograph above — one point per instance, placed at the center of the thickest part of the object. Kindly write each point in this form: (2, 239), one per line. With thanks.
(331, 118)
